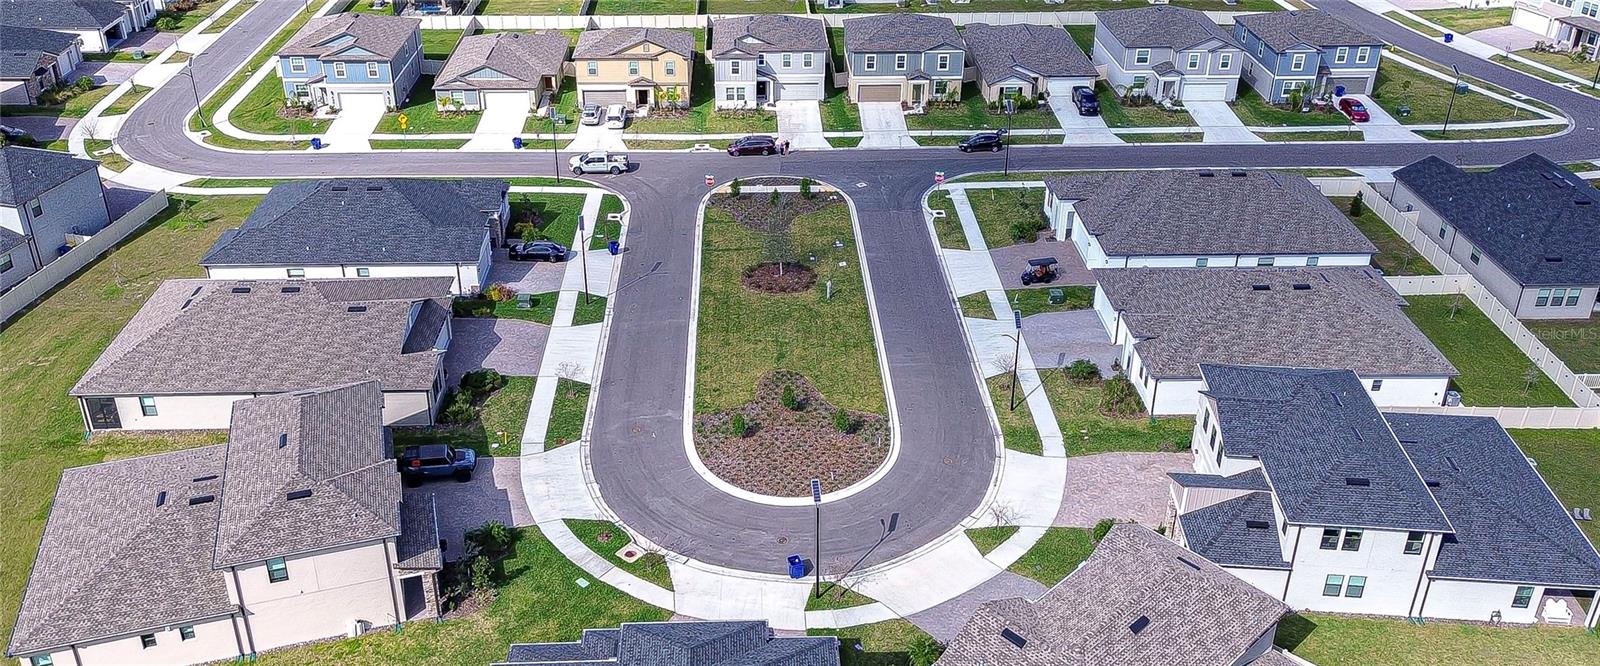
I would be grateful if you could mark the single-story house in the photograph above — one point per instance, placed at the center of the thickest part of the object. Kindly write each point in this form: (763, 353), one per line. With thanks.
(1026, 60)
(101, 24)
(1167, 52)
(334, 61)
(368, 228)
(1308, 49)
(638, 67)
(33, 60)
(767, 58)
(680, 644)
(46, 199)
(905, 58)
(520, 69)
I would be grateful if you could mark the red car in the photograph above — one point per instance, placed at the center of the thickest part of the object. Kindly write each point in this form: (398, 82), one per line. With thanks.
(1355, 109)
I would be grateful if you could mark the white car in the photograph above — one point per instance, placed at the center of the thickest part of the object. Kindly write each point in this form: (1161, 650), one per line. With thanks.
(591, 114)
(616, 116)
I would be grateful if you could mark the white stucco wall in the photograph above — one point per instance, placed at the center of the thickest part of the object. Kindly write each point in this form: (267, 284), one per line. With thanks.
(212, 641)
(1393, 577)
(325, 593)
(466, 277)
(1267, 580)
(1472, 600)
(213, 412)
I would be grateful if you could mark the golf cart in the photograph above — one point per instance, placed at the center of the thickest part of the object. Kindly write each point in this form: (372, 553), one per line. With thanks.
(1040, 270)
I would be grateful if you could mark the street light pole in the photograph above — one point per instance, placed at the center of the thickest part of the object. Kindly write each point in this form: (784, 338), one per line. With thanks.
(584, 258)
(1454, 90)
(1016, 358)
(816, 564)
(189, 69)
(1011, 109)
(555, 153)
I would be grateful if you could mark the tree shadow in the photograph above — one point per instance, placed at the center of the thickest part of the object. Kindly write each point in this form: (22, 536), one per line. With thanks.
(1294, 630)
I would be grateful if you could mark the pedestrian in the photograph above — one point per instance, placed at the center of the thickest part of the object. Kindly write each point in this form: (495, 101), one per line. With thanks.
(785, 150)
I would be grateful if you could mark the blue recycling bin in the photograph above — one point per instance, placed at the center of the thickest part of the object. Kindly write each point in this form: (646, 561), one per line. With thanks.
(614, 248)
(797, 567)
(516, 142)
(1338, 91)
(1448, 38)
(316, 143)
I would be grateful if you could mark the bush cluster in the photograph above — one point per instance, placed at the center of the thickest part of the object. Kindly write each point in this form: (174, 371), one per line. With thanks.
(475, 387)
(1118, 397)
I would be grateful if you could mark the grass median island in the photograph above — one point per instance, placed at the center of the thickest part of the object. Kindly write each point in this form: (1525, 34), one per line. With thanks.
(229, 17)
(125, 102)
(1395, 256)
(416, 144)
(947, 228)
(504, 411)
(1194, 136)
(606, 540)
(835, 597)
(1017, 430)
(1056, 554)
(1462, 134)
(567, 414)
(1566, 461)
(986, 539)
(1575, 341)
(101, 149)
(605, 228)
(1341, 640)
(1324, 135)
(1494, 373)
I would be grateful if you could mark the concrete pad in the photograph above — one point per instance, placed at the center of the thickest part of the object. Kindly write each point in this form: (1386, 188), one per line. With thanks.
(970, 271)
(554, 487)
(1056, 339)
(508, 346)
(1119, 486)
(946, 620)
(599, 272)
(151, 41)
(928, 578)
(850, 617)
(499, 124)
(883, 125)
(494, 493)
(1381, 126)
(639, 588)
(1508, 37)
(356, 120)
(1221, 125)
(720, 594)
(1010, 261)
(1030, 492)
(1079, 130)
(800, 123)
(574, 349)
(993, 344)
(596, 137)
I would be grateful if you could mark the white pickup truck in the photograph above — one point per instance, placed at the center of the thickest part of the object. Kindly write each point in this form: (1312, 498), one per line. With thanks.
(599, 161)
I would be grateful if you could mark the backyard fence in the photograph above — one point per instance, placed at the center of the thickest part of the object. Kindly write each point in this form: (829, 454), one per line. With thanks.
(1404, 223)
(1343, 186)
(67, 265)
(1430, 285)
(1520, 417)
(553, 22)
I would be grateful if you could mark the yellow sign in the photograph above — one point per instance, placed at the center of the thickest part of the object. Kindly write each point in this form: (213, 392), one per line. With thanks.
(404, 120)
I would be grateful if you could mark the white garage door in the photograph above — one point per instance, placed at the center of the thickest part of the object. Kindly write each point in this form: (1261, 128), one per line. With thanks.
(516, 99)
(1205, 92)
(1530, 21)
(800, 91)
(605, 97)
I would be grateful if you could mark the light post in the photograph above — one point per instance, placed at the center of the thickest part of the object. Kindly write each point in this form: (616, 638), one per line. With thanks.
(1016, 357)
(1454, 90)
(816, 564)
(1011, 108)
(584, 258)
(555, 152)
(194, 87)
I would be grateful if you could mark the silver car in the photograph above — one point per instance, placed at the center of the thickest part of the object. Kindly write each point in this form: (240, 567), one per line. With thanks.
(591, 114)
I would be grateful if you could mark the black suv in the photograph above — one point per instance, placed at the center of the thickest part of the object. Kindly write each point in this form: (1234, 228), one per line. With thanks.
(991, 141)
(1083, 97)
(753, 145)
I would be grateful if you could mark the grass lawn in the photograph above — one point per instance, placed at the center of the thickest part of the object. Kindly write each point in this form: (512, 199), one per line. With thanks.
(236, 182)
(1575, 341)
(840, 115)
(228, 18)
(209, 106)
(1566, 461)
(1458, 134)
(175, 21)
(1541, 74)
(1015, 140)
(1324, 135)
(986, 539)
(1017, 430)
(664, 144)
(125, 103)
(755, 6)
(1057, 554)
(844, 141)
(605, 539)
(973, 113)
(530, 7)
(976, 305)
(701, 117)
(1255, 111)
(1400, 85)
(543, 309)
(110, 160)
(1563, 62)
(1087, 431)
(566, 104)
(947, 229)
(1164, 137)
(541, 601)
(76, 107)
(996, 209)
(557, 213)
(834, 597)
(886, 643)
(606, 229)
(424, 115)
(836, 48)
(177, 57)
(416, 144)
(643, 7)
(568, 413)
(1395, 256)
(744, 334)
(504, 411)
(1492, 368)
(1083, 35)
(261, 111)
(1149, 115)
(1336, 640)
(437, 44)
(1034, 301)
(45, 350)
(1412, 23)
(1463, 20)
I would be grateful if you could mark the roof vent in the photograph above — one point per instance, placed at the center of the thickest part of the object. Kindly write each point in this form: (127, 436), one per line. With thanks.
(1207, 173)
(299, 494)
(1432, 483)
(374, 188)
(161, 498)
(186, 304)
(208, 477)
(201, 499)
(1257, 524)
(340, 188)
(1452, 462)
(1554, 260)
(356, 308)
(240, 290)
(1139, 624)
(1189, 564)
(290, 290)
(1237, 173)
(1301, 286)
(1014, 638)
(1582, 202)
(1261, 287)
(283, 439)
(1357, 481)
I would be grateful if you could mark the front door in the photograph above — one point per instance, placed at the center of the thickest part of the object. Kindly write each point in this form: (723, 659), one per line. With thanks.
(761, 90)
(916, 93)
(641, 97)
(103, 413)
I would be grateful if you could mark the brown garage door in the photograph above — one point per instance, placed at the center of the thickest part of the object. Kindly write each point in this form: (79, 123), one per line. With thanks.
(605, 97)
(1352, 85)
(878, 93)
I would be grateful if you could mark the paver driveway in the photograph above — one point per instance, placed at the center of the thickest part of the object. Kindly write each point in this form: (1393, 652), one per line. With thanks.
(494, 493)
(1010, 261)
(1056, 339)
(1119, 486)
(507, 346)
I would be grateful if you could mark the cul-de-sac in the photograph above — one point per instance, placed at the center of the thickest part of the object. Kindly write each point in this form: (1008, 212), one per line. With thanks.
(800, 332)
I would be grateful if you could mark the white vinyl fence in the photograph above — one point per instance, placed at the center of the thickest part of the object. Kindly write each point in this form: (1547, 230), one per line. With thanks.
(833, 20)
(67, 265)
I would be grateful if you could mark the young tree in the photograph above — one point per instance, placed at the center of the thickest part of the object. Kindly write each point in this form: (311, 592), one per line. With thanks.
(1357, 205)
(1530, 376)
(779, 247)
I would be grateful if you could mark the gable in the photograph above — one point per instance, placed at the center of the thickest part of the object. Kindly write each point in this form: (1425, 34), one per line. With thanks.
(352, 52)
(487, 72)
(337, 40)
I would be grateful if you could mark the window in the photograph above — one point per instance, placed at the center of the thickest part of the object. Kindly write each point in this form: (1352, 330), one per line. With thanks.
(1141, 57)
(1341, 55)
(1544, 298)
(1138, 81)
(372, 70)
(297, 65)
(1298, 63)
(869, 62)
(186, 632)
(1413, 543)
(733, 67)
(297, 272)
(1205, 420)
(1261, 49)
(277, 570)
(1010, 91)
(301, 90)
(459, 97)
(1474, 257)
(1218, 448)
(1572, 296)
(147, 405)
(594, 68)
(1224, 61)
(1352, 540)
(943, 62)
(941, 87)
(1289, 86)
(1523, 598)
(1263, 261)
(761, 60)
(147, 641)
(1377, 385)
(41, 660)
(1362, 54)
(37, 207)
(5, 263)
(363, 272)
(1443, 228)
(1202, 262)
(671, 68)
(1330, 539)
(633, 68)
(338, 70)
(1332, 585)
(899, 61)
(1312, 261)
(1356, 586)
(734, 94)
(1589, 9)
(805, 60)
(788, 60)
(1557, 296)
(1194, 61)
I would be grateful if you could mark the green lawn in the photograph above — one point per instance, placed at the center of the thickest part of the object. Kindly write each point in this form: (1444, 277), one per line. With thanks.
(262, 111)
(1351, 134)
(1034, 301)
(1575, 341)
(209, 106)
(227, 19)
(566, 104)
(236, 182)
(1412, 23)
(606, 230)
(543, 309)
(424, 115)
(744, 334)
(416, 144)
(1395, 256)
(110, 159)
(1083, 35)
(1566, 461)
(886, 643)
(501, 420)
(1541, 74)
(1338, 640)
(541, 601)
(1057, 554)
(834, 597)
(438, 44)
(530, 7)
(986, 539)
(175, 21)
(836, 48)
(125, 103)
(1463, 20)
(1562, 61)
(839, 114)
(996, 209)
(1087, 430)
(557, 215)
(1017, 431)
(844, 141)
(1492, 369)
(1194, 136)
(1399, 85)
(976, 305)
(567, 414)
(1255, 111)
(1460, 134)
(1149, 115)
(76, 107)
(605, 539)
(755, 6)
(973, 113)
(947, 229)
(643, 7)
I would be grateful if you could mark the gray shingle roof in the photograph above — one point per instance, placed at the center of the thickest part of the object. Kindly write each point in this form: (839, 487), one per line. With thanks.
(610, 42)
(1346, 317)
(10, 239)
(26, 173)
(381, 34)
(1024, 50)
(766, 33)
(1509, 527)
(728, 643)
(21, 49)
(206, 337)
(327, 441)
(1527, 216)
(418, 545)
(523, 56)
(1163, 26)
(1317, 436)
(1223, 532)
(1312, 27)
(1247, 480)
(85, 14)
(900, 32)
(1195, 613)
(364, 221)
(1177, 212)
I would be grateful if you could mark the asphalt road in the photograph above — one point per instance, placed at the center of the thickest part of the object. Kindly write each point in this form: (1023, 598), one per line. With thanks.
(947, 460)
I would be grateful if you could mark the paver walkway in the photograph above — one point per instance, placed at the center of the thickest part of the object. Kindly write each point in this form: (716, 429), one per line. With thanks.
(1119, 486)
(945, 620)
(1220, 123)
(527, 277)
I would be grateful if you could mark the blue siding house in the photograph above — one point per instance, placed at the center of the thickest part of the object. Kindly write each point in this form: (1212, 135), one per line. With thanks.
(1306, 49)
(344, 59)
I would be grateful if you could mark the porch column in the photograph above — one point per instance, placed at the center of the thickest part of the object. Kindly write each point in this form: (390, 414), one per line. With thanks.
(1594, 611)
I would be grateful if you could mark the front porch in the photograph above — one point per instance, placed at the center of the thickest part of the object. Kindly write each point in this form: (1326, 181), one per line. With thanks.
(1567, 608)
(1579, 33)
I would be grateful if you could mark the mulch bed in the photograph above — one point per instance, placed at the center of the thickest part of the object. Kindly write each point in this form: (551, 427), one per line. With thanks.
(784, 449)
(765, 278)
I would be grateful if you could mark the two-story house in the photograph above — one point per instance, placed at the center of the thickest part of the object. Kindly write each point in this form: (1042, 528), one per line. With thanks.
(905, 58)
(638, 67)
(1570, 24)
(352, 58)
(1026, 61)
(768, 58)
(1167, 52)
(1337, 507)
(101, 24)
(295, 530)
(1307, 49)
(1529, 230)
(35, 61)
(45, 197)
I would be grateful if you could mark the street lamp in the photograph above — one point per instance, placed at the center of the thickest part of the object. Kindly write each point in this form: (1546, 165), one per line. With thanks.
(1454, 90)
(816, 564)
(1011, 108)
(555, 152)
(1016, 355)
(583, 253)
(189, 69)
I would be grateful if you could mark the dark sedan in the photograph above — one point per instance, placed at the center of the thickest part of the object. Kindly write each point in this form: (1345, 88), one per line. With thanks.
(753, 145)
(991, 141)
(538, 251)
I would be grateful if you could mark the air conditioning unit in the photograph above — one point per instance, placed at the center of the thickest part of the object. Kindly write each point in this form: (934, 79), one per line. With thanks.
(359, 627)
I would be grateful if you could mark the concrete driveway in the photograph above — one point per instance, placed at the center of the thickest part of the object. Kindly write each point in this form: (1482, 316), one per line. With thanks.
(1056, 339)
(508, 346)
(884, 125)
(42, 128)
(596, 137)
(498, 126)
(351, 129)
(1079, 130)
(1381, 126)
(1508, 37)
(494, 493)
(1220, 123)
(800, 123)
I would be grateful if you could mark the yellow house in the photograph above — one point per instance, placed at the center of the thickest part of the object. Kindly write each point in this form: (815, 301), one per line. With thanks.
(634, 66)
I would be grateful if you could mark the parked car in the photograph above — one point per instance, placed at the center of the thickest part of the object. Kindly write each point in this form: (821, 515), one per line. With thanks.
(591, 114)
(757, 144)
(990, 141)
(1355, 109)
(616, 116)
(436, 461)
(538, 251)
(1084, 98)
(599, 161)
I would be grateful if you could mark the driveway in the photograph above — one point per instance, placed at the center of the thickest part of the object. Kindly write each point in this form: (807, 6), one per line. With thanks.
(1220, 123)
(1079, 130)
(494, 493)
(1120, 486)
(152, 41)
(1056, 339)
(1508, 37)
(105, 73)
(800, 123)
(884, 125)
(1381, 126)
(498, 126)
(507, 346)
(527, 277)
(1011, 260)
(42, 128)
(946, 620)
(351, 129)
(596, 137)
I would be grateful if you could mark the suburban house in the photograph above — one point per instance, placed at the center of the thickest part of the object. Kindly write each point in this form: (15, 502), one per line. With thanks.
(1025, 60)
(371, 60)
(639, 67)
(47, 200)
(1167, 53)
(198, 346)
(33, 61)
(294, 530)
(368, 228)
(101, 24)
(905, 58)
(1168, 321)
(142, 12)
(680, 644)
(1203, 218)
(768, 58)
(521, 70)
(1138, 599)
(1529, 230)
(1340, 508)
(1568, 24)
(1307, 49)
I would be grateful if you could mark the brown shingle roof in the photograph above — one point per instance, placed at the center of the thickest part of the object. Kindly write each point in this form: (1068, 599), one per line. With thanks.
(611, 42)
(380, 34)
(523, 56)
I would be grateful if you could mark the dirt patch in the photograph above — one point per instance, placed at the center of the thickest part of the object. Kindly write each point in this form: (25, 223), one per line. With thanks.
(756, 211)
(766, 278)
(783, 449)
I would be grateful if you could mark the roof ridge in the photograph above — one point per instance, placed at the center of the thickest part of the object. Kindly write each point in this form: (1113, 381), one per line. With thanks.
(1514, 513)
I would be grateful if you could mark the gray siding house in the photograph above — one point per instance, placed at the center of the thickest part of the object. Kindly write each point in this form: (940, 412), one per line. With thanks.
(352, 58)
(1307, 49)
(905, 58)
(1529, 230)
(520, 69)
(767, 58)
(1026, 60)
(1168, 53)
(45, 196)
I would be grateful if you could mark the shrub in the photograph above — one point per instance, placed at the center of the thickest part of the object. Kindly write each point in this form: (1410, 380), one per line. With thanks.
(736, 188)
(1118, 397)
(924, 650)
(1102, 528)
(492, 539)
(480, 573)
(789, 400)
(774, 198)
(740, 427)
(1083, 371)
(460, 410)
(1026, 228)
(805, 188)
(841, 420)
(480, 383)
(83, 83)
(1357, 205)
(523, 230)
(500, 292)
(472, 307)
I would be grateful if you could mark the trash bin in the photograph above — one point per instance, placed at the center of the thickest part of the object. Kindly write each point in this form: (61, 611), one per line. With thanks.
(516, 142)
(614, 248)
(316, 143)
(797, 567)
(1338, 91)
(1448, 38)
